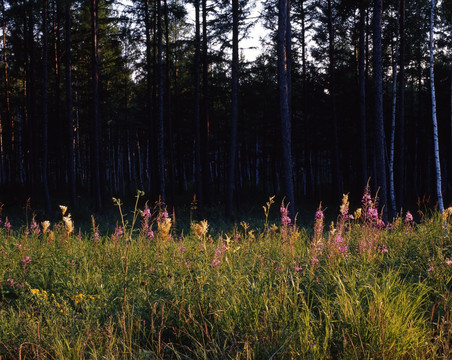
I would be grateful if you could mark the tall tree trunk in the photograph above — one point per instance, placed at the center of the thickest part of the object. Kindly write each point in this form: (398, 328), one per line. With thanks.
(362, 93)
(6, 113)
(337, 172)
(435, 124)
(69, 115)
(45, 114)
(97, 132)
(393, 128)
(205, 161)
(153, 188)
(198, 169)
(378, 94)
(401, 189)
(284, 45)
(235, 108)
(160, 136)
(172, 164)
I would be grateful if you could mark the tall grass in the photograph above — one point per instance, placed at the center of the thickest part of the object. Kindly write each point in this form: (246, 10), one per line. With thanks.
(356, 289)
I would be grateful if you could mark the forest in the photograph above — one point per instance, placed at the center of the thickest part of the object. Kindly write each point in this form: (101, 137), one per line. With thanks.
(102, 97)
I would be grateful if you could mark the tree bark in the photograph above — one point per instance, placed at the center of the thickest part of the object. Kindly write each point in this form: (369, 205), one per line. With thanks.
(45, 114)
(235, 108)
(337, 171)
(69, 111)
(160, 136)
(362, 93)
(284, 44)
(198, 165)
(435, 124)
(401, 188)
(8, 157)
(97, 132)
(381, 180)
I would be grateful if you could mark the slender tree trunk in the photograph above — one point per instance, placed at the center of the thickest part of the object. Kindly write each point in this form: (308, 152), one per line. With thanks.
(69, 115)
(153, 188)
(337, 173)
(198, 169)
(205, 160)
(401, 128)
(172, 172)
(160, 136)
(393, 128)
(378, 94)
(97, 132)
(435, 124)
(235, 108)
(45, 114)
(284, 44)
(6, 113)
(362, 93)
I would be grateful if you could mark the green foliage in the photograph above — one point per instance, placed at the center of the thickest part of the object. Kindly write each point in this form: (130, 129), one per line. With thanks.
(359, 291)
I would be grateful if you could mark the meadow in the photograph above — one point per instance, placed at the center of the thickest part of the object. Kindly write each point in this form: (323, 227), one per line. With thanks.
(356, 288)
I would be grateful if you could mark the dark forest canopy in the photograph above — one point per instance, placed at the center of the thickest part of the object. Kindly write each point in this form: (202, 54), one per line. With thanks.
(101, 97)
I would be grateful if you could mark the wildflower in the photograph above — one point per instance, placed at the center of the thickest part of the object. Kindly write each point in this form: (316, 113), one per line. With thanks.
(314, 261)
(63, 209)
(164, 227)
(201, 228)
(430, 269)
(147, 213)
(298, 268)
(278, 268)
(150, 234)
(7, 224)
(343, 209)
(18, 245)
(448, 262)
(408, 218)
(26, 260)
(45, 225)
(216, 262)
(96, 236)
(285, 219)
(382, 248)
(318, 223)
(357, 213)
(35, 227)
(68, 223)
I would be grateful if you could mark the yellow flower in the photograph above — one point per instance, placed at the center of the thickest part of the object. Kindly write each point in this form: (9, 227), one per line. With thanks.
(63, 209)
(45, 226)
(34, 291)
(201, 228)
(357, 213)
(164, 228)
(68, 223)
(345, 204)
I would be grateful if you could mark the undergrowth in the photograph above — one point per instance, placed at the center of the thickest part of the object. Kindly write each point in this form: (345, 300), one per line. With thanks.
(357, 288)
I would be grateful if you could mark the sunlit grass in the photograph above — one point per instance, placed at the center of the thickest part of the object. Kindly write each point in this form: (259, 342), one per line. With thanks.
(353, 289)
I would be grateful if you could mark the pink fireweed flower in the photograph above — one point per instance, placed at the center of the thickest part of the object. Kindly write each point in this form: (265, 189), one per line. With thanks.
(297, 269)
(285, 219)
(408, 217)
(35, 227)
(147, 213)
(314, 261)
(448, 262)
(150, 234)
(26, 260)
(430, 269)
(19, 245)
(7, 225)
(216, 262)
(382, 248)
